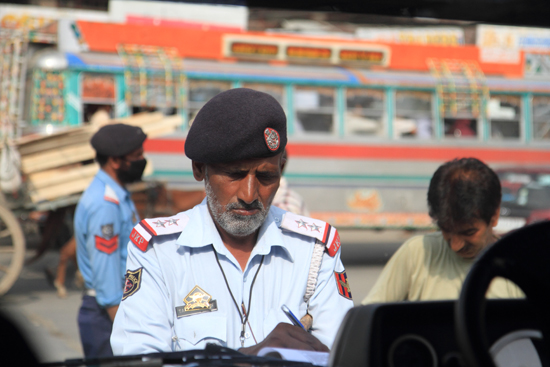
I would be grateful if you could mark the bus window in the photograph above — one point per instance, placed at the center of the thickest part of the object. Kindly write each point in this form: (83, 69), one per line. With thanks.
(98, 97)
(364, 112)
(314, 109)
(274, 90)
(504, 112)
(200, 92)
(413, 114)
(541, 118)
(460, 127)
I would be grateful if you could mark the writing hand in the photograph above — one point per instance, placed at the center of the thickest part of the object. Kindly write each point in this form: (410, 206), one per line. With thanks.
(288, 336)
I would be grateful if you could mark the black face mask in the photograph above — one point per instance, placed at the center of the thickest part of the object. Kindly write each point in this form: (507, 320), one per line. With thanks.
(133, 173)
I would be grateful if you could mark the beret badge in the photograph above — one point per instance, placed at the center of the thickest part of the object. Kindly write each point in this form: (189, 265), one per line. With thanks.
(272, 139)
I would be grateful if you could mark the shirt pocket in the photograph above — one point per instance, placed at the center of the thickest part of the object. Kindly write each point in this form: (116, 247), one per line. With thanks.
(197, 330)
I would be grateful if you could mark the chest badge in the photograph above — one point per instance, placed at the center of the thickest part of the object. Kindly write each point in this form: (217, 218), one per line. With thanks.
(197, 301)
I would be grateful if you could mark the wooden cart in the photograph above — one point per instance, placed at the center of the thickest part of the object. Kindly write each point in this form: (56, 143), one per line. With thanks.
(56, 169)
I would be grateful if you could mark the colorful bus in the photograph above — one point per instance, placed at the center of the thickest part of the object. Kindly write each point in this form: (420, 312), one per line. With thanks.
(368, 123)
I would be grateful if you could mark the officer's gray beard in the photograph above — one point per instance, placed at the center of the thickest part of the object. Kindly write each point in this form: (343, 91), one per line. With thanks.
(233, 223)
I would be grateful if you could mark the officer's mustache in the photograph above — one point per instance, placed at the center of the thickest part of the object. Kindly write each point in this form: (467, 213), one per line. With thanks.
(240, 204)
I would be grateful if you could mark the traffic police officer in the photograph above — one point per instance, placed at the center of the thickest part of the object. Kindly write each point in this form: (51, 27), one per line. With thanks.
(220, 272)
(103, 220)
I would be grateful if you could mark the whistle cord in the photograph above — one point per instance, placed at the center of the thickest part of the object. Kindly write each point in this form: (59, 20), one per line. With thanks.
(244, 318)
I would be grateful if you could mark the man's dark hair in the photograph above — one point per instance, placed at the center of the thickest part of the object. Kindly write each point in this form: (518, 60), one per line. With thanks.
(101, 159)
(462, 191)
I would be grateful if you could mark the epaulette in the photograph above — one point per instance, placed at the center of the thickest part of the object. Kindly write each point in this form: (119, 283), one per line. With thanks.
(110, 195)
(322, 231)
(147, 228)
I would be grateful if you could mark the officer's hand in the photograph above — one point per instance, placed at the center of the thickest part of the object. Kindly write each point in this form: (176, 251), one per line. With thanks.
(288, 336)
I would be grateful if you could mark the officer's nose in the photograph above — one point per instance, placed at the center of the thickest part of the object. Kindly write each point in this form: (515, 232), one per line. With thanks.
(249, 189)
(456, 243)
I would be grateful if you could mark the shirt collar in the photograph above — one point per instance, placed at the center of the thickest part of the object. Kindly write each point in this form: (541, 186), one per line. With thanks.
(199, 218)
(120, 191)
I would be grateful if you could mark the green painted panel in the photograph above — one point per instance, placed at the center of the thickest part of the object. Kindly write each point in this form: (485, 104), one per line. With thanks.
(121, 107)
(73, 102)
(438, 121)
(389, 94)
(340, 111)
(527, 109)
(289, 92)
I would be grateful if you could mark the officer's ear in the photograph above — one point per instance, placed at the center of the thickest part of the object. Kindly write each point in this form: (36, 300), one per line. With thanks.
(494, 218)
(199, 170)
(282, 162)
(114, 162)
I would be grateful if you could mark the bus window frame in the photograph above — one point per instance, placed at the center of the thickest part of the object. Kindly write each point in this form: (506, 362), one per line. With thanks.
(521, 119)
(294, 112)
(385, 116)
(531, 97)
(432, 115)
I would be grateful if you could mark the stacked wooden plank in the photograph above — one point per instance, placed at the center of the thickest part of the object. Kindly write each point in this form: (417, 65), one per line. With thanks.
(61, 164)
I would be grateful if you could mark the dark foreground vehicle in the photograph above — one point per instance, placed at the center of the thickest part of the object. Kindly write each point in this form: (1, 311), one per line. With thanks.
(469, 332)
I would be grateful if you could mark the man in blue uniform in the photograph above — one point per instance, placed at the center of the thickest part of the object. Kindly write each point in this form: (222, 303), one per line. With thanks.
(220, 272)
(103, 220)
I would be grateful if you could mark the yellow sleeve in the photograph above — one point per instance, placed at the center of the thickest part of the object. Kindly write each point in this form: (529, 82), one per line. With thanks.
(394, 281)
(504, 288)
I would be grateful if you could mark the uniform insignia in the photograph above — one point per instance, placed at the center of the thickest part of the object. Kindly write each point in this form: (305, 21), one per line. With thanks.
(147, 228)
(272, 139)
(107, 231)
(342, 284)
(133, 282)
(159, 223)
(315, 228)
(110, 195)
(335, 244)
(197, 301)
(106, 245)
(301, 223)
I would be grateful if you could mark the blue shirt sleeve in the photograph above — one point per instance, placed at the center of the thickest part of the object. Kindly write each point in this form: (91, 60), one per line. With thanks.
(103, 246)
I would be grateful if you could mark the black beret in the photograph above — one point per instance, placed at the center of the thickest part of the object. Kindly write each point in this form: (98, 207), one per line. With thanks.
(117, 140)
(237, 124)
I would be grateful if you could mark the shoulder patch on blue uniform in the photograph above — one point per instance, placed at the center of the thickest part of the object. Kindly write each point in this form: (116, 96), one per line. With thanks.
(147, 228)
(110, 195)
(322, 231)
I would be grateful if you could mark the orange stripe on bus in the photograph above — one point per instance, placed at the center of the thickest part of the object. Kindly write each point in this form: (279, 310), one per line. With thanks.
(383, 152)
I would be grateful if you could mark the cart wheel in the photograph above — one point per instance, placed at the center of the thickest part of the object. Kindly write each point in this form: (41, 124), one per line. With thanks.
(12, 249)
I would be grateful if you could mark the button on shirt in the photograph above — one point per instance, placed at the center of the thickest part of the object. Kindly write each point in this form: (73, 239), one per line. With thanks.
(103, 221)
(172, 265)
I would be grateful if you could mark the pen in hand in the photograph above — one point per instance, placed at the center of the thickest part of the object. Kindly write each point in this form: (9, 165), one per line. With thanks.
(291, 317)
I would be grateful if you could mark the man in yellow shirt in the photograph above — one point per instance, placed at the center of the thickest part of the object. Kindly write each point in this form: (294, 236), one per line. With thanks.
(464, 201)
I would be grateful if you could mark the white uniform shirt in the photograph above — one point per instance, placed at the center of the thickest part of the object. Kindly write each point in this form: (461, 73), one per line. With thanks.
(172, 265)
